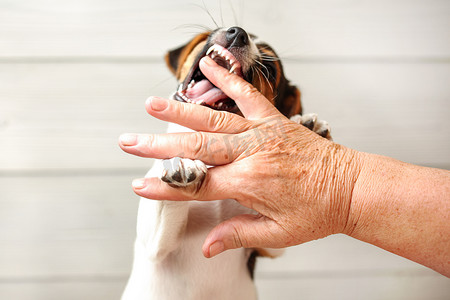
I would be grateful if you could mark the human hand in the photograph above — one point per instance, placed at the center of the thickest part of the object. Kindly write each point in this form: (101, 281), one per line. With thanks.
(299, 183)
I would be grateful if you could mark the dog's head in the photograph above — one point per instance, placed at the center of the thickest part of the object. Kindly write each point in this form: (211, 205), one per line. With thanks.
(241, 54)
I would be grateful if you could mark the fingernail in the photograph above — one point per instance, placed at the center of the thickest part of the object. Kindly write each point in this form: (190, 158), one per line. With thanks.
(157, 104)
(208, 61)
(216, 248)
(138, 183)
(128, 139)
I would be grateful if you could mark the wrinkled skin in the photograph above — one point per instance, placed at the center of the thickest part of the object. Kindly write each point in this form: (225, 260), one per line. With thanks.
(268, 151)
(303, 186)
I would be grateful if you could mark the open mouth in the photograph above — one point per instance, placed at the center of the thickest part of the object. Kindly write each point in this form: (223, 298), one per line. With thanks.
(199, 90)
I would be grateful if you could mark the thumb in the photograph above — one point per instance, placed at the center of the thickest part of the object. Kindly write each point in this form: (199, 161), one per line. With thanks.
(249, 100)
(246, 231)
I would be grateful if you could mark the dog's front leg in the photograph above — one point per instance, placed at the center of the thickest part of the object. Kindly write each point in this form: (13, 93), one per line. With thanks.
(161, 224)
(160, 229)
(312, 122)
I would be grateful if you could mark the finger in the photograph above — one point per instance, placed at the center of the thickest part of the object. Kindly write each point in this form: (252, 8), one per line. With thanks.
(196, 117)
(249, 100)
(248, 231)
(220, 183)
(211, 148)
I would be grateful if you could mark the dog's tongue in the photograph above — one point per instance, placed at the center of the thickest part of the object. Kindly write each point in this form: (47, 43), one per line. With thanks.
(205, 91)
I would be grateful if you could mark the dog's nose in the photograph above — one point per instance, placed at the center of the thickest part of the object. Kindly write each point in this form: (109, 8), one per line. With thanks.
(236, 37)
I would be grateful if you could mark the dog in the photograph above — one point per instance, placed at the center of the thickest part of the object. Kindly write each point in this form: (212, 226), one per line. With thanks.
(168, 262)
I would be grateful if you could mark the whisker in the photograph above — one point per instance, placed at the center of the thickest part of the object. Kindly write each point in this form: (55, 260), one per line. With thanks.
(163, 81)
(234, 13)
(264, 47)
(260, 47)
(242, 8)
(208, 12)
(270, 58)
(259, 77)
(268, 74)
(265, 76)
(203, 28)
(262, 65)
(262, 54)
(221, 12)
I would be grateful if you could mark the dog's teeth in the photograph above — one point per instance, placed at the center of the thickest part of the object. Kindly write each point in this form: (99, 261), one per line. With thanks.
(220, 105)
(213, 55)
(233, 67)
(210, 50)
(185, 98)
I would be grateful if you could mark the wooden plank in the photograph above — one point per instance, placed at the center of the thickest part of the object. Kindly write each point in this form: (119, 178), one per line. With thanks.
(61, 226)
(308, 29)
(395, 288)
(69, 116)
(358, 287)
(337, 254)
(93, 290)
(398, 110)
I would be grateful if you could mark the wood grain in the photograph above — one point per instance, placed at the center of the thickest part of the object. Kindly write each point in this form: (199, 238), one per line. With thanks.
(312, 29)
(69, 116)
(74, 75)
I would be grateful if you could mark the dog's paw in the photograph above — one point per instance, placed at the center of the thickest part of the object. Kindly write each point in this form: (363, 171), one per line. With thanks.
(183, 172)
(311, 122)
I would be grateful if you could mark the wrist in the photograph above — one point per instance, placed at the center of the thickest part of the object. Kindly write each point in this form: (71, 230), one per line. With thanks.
(339, 172)
(399, 207)
(371, 194)
(347, 170)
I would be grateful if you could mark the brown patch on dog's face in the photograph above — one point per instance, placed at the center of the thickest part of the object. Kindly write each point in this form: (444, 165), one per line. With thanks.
(273, 84)
(237, 51)
(177, 58)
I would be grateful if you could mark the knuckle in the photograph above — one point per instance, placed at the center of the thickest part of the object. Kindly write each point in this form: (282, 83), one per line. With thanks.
(182, 109)
(217, 121)
(236, 233)
(147, 143)
(247, 89)
(198, 191)
(222, 121)
(196, 144)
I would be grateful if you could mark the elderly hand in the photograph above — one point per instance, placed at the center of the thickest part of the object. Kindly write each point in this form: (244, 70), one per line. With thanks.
(300, 184)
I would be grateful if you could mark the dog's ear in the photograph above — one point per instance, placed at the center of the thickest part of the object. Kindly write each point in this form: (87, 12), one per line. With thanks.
(288, 102)
(172, 58)
(175, 58)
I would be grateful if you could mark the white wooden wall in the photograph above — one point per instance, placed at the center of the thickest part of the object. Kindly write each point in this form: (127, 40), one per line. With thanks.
(75, 74)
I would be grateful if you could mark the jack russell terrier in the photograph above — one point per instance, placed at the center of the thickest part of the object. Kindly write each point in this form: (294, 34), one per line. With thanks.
(168, 261)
